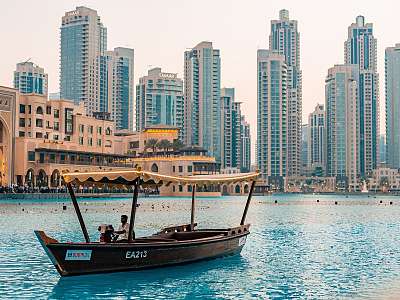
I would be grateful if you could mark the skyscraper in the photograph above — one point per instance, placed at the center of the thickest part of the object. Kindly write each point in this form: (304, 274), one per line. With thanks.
(360, 49)
(120, 87)
(316, 139)
(159, 100)
(271, 116)
(202, 77)
(304, 150)
(285, 39)
(392, 91)
(342, 119)
(231, 119)
(30, 78)
(83, 69)
(246, 145)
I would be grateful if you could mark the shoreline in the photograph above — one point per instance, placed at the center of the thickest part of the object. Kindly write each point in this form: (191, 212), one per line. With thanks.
(66, 196)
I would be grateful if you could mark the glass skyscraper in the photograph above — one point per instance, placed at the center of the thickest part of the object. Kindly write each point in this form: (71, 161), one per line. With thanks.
(316, 138)
(120, 87)
(392, 84)
(235, 136)
(360, 49)
(30, 78)
(159, 100)
(285, 40)
(83, 69)
(202, 123)
(342, 119)
(272, 117)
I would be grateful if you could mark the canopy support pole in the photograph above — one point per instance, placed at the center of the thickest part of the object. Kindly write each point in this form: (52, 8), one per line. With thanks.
(247, 203)
(193, 208)
(78, 212)
(131, 233)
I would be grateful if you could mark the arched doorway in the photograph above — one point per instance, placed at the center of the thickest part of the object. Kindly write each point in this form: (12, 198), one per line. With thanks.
(154, 168)
(246, 189)
(224, 190)
(4, 154)
(237, 189)
(55, 178)
(42, 179)
(30, 178)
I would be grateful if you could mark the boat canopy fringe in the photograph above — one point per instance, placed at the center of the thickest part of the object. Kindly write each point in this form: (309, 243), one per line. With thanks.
(132, 177)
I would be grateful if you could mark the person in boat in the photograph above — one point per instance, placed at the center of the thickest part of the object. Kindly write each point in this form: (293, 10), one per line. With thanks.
(123, 230)
(106, 233)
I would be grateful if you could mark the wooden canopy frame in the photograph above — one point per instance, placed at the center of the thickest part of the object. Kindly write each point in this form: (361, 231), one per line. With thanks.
(136, 178)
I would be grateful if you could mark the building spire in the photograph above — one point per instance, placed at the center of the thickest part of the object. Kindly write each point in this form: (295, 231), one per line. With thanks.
(284, 15)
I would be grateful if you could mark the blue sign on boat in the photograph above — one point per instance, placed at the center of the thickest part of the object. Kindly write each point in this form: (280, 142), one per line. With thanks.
(78, 254)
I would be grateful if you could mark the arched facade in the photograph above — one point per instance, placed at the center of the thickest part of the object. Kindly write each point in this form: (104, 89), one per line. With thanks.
(55, 178)
(30, 178)
(42, 179)
(4, 154)
(7, 130)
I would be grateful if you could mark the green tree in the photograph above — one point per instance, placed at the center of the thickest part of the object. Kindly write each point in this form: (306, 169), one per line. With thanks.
(177, 145)
(164, 145)
(151, 144)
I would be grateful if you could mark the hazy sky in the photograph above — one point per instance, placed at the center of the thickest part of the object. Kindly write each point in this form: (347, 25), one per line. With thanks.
(160, 31)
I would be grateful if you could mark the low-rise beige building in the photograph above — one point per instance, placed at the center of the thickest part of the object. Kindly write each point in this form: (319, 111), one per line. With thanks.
(40, 139)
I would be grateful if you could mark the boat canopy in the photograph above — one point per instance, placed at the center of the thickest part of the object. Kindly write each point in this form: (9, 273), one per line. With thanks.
(130, 178)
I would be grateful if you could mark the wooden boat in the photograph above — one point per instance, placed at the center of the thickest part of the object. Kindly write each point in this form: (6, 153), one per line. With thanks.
(173, 245)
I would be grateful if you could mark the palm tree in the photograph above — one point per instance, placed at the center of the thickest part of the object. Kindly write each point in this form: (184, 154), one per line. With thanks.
(177, 145)
(152, 144)
(164, 145)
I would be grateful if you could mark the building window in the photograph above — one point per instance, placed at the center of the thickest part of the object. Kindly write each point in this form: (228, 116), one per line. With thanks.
(173, 188)
(99, 142)
(99, 130)
(48, 124)
(81, 128)
(69, 123)
(39, 110)
(180, 188)
(134, 145)
(31, 155)
(90, 141)
(22, 108)
(90, 129)
(81, 140)
(21, 122)
(67, 138)
(173, 169)
(29, 109)
(48, 110)
(39, 123)
(56, 126)
(180, 169)
(189, 188)
(21, 133)
(29, 122)
(56, 113)
(55, 137)
(39, 135)
(190, 169)
(108, 131)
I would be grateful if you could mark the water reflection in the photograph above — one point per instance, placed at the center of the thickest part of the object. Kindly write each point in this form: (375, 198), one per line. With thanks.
(204, 278)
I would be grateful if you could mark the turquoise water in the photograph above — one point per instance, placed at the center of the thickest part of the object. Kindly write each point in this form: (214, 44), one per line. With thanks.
(298, 248)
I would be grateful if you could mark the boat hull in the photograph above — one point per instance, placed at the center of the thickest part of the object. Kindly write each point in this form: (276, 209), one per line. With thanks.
(88, 258)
